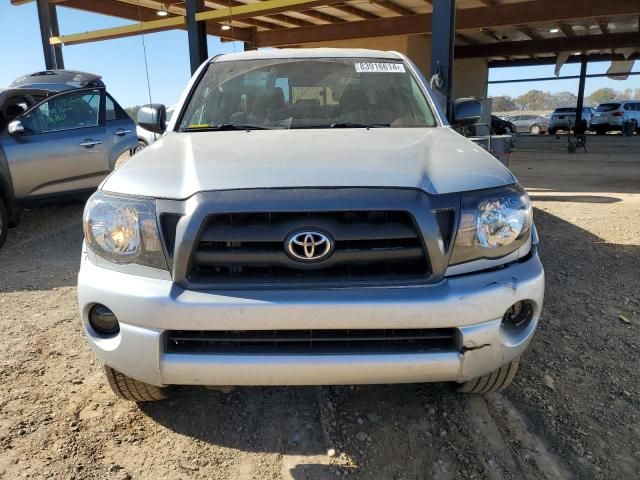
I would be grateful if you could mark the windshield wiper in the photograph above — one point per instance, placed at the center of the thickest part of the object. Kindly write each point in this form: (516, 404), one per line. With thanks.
(353, 125)
(223, 127)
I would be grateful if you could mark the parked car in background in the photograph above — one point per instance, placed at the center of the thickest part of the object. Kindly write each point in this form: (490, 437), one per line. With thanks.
(564, 118)
(533, 124)
(611, 116)
(146, 137)
(500, 126)
(311, 219)
(60, 135)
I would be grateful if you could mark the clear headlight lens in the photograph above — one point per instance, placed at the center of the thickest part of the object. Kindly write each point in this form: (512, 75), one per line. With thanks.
(493, 224)
(123, 230)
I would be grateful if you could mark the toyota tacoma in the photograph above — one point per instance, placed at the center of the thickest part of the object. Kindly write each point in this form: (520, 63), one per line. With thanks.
(309, 217)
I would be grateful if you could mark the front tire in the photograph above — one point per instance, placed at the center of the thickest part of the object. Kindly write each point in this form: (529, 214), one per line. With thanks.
(139, 146)
(4, 222)
(130, 389)
(494, 382)
(535, 130)
(552, 131)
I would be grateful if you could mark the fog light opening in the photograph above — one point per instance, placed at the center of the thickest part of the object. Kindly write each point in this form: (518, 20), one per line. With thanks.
(518, 315)
(103, 320)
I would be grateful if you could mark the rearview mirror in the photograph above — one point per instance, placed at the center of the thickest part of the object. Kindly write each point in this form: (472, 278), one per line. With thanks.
(153, 117)
(466, 111)
(15, 127)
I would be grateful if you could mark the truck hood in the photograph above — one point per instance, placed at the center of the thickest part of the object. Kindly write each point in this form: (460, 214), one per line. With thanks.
(436, 160)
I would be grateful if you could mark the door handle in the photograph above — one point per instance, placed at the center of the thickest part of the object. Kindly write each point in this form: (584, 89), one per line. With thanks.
(121, 132)
(90, 143)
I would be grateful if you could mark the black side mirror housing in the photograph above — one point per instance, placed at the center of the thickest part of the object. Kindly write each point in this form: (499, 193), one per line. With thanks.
(466, 111)
(153, 117)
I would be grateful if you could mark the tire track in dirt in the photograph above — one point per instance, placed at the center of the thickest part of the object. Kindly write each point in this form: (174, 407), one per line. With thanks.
(497, 420)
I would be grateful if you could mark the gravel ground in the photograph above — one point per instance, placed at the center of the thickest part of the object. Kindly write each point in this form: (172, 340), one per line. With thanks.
(572, 411)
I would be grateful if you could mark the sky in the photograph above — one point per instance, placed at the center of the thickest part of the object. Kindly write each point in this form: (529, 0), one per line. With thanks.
(121, 62)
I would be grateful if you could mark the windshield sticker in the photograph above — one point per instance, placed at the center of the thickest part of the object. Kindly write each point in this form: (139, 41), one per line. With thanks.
(372, 67)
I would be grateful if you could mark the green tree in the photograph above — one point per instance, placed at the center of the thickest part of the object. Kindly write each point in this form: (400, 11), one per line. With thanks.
(535, 100)
(602, 95)
(563, 99)
(503, 103)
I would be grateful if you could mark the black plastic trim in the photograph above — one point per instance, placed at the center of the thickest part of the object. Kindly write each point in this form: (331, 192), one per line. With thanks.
(418, 203)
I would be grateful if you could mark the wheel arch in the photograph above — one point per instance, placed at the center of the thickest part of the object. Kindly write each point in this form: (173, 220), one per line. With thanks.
(6, 187)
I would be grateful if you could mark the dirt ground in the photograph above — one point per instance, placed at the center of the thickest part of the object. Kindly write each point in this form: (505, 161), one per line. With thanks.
(572, 412)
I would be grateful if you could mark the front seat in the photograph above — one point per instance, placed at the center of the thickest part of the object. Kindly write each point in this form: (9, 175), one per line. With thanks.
(354, 106)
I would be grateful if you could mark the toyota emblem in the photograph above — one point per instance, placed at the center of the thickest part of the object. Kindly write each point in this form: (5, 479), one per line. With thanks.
(309, 246)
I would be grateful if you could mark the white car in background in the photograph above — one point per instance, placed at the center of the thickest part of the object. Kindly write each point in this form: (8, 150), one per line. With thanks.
(612, 115)
(147, 137)
(564, 118)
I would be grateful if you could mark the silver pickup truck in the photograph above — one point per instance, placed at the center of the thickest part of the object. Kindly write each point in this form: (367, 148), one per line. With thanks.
(60, 135)
(309, 217)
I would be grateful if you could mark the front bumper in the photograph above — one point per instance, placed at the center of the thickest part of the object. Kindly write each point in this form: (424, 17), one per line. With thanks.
(474, 304)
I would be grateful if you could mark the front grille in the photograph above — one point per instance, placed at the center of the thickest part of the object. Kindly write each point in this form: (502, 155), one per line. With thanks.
(250, 248)
(315, 342)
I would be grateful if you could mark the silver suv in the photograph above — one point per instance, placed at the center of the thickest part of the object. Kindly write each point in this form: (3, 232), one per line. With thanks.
(60, 135)
(564, 118)
(309, 217)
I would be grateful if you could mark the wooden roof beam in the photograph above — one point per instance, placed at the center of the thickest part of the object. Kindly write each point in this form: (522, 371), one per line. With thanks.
(524, 13)
(393, 7)
(529, 32)
(566, 30)
(550, 45)
(604, 25)
(356, 12)
(132, 12)
(266, 7)
(298, 22)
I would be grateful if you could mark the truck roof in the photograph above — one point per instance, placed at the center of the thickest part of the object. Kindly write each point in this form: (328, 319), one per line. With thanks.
(309, 53)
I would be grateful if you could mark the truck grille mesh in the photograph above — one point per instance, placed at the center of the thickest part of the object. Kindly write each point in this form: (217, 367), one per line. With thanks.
(311, 341)
(250, 248)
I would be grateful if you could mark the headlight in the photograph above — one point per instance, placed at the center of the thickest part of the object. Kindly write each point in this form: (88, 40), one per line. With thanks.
(123, 230)
(493, 224)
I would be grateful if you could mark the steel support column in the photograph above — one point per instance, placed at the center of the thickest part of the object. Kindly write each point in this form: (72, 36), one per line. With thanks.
(247, 46)
(443, 30)
(44, 18)
(579, 128)
(197, 32)
(55, 31)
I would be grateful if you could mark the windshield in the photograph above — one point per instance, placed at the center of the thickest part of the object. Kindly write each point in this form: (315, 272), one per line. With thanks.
(608, 107)
(307, 93)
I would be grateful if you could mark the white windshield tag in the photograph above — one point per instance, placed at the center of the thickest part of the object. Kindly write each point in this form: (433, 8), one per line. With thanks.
(373, 67)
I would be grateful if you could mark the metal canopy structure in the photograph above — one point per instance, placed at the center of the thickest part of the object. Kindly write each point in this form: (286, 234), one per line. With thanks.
(500, 30)
(504, 32)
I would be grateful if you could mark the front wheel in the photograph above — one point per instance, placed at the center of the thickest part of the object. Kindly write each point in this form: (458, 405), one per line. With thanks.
(535, 130)
(139, 146)
(130, 389)
(494, 382)
(552, 131)
(4, 222)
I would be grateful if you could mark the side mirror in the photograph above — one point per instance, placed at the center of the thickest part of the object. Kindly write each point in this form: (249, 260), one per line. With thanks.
(153, 117)
(15, 128)
(466, 111)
